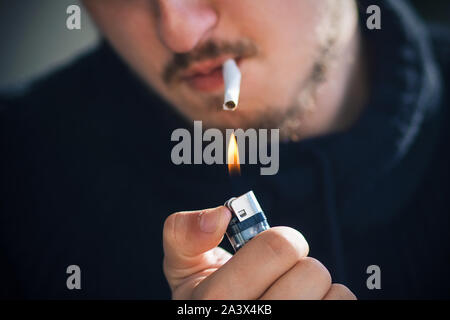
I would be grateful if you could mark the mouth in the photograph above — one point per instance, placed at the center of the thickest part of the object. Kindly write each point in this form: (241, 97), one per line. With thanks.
(206, 76)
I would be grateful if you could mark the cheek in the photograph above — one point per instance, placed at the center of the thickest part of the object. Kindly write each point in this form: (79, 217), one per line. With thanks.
(287, 38)
(131, 30)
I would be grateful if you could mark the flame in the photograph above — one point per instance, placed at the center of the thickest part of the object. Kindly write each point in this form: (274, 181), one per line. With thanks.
(234, 167)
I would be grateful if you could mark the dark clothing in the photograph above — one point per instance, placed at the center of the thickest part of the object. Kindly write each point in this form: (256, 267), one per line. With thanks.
(87, 178)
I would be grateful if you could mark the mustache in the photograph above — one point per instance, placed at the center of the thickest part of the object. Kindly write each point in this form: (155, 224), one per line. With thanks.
(209, 50)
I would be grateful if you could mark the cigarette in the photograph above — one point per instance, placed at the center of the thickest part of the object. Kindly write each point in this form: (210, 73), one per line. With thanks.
(232, 79)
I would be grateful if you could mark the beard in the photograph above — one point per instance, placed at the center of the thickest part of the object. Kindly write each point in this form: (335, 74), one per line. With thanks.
(303, 105)
(289, 120)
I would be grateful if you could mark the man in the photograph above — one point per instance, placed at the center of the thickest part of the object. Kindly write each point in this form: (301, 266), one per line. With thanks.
(363, 173)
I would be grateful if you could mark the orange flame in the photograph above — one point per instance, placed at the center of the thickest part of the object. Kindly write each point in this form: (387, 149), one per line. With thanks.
(234, 167)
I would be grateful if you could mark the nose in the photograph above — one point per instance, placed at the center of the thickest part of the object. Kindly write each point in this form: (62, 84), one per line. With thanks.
(183, 24)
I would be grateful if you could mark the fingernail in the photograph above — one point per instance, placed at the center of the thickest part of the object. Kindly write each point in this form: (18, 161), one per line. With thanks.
(209, 220)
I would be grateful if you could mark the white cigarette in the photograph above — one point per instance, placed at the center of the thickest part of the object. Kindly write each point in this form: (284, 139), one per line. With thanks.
(232, 80)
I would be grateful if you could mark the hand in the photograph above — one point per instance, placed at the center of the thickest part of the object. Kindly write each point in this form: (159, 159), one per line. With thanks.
(273, 265)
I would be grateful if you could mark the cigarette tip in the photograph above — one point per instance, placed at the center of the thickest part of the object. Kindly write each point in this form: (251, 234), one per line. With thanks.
(229, 105)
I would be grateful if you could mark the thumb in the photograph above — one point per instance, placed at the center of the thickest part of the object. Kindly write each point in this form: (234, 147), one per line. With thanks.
(188, 235)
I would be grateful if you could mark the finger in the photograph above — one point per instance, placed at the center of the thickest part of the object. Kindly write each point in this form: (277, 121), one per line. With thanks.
(339, 292)
(188, 238)
(184, 287)
(254, 268)
(307, 280)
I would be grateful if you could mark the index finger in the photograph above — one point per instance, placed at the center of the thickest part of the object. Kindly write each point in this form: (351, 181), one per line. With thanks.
(255, 267)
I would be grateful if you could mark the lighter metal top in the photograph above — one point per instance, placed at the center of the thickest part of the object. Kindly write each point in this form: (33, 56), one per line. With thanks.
(244, 206)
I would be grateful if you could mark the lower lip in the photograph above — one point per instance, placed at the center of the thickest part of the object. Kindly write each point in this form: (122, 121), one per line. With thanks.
(212, 81)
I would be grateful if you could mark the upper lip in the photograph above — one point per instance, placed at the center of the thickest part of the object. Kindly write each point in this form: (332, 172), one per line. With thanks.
(204, 67)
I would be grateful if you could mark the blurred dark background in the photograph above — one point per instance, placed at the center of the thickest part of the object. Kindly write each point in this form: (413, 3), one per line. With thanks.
(35, 38)
(434, 10)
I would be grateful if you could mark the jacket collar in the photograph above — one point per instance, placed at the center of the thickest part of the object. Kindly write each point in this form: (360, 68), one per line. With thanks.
(392, 131)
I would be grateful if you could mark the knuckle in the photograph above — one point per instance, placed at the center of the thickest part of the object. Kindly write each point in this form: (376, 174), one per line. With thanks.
(207, 293)
(341, 292)
(283, 241)
(169, 234)
(317, 270)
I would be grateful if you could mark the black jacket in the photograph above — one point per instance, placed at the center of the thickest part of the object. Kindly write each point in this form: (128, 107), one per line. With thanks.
(86, 178)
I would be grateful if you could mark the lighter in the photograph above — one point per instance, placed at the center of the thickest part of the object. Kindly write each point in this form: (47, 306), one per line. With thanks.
(248, 220)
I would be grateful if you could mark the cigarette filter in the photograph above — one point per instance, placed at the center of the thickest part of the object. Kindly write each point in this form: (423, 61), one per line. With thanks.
(248, 220)
(232, 80)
